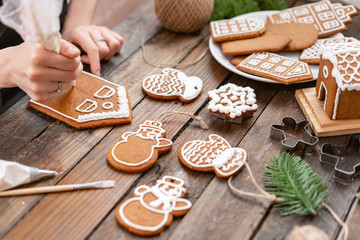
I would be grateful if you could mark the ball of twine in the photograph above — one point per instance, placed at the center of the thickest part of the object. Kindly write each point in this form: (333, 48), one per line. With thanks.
(307, 232)
(183, 15)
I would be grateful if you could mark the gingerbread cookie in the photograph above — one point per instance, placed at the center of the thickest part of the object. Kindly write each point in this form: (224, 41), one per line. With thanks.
(172, 84)
(214, 154)
(92, 102)
(328, 18)
(311, 55)
(276, 67)
(232, 101)
(271, 40)
(233, 29)
(139, 151)
(237, 59)
(151, 209)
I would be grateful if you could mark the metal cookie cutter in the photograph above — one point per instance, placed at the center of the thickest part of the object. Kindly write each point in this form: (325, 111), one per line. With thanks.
(238, 120)
(346, 155)
(288, 134)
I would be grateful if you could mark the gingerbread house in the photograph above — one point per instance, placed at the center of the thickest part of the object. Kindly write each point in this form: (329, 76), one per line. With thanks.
(338, 82)
(328, 18)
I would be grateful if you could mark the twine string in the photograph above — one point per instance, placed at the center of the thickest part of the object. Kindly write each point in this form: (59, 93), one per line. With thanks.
(273, 198)
(167, 114)
(161, 64)
(337, 219)
(263, 195)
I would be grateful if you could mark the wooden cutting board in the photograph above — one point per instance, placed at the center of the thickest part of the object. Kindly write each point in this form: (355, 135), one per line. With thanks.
(321, 124)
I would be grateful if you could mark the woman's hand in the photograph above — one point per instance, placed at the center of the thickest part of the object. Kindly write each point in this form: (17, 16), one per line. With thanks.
(98, 43)
(39, 72)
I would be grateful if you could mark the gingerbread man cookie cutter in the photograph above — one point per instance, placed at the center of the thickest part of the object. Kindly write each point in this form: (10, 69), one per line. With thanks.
(291, 127)
(339, 154)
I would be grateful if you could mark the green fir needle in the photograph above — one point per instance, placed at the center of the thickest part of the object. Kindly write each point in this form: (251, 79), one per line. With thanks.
(291, 178)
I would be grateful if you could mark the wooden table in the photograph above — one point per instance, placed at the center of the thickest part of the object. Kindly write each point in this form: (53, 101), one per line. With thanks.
(32, 138)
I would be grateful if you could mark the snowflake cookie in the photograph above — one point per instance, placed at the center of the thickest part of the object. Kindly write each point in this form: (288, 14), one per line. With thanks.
(232, 101)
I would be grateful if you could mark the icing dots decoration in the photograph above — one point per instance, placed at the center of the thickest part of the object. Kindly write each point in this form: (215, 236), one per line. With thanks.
(172, 84)
(92, 102)
(215, 154)
(139, 151)
(152, 208)
(232, 101)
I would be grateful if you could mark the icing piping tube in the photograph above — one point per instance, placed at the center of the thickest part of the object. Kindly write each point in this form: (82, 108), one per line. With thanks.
(13, 174)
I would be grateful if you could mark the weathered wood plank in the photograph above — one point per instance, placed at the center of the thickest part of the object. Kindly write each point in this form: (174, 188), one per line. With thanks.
(131, 80)
(86, 171)
(195, 181)
(354, 223)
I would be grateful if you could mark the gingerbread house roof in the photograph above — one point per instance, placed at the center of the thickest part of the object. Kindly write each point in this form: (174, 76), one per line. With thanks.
(345, 58)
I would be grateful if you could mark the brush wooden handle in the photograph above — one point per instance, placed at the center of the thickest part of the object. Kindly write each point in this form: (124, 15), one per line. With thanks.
(37, 190)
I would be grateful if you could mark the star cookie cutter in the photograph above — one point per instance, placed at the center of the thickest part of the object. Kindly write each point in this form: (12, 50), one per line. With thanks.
(290, 127)
(339, 154)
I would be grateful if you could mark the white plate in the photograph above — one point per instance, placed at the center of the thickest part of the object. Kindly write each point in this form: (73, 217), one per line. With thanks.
(215, 49)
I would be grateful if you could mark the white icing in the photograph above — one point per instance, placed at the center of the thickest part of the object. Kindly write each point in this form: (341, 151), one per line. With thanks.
(172, 82)
(216, 153)
(91, 106)
(237, 100)
(223, 28)
(326, 71)
(109, 93)
(122, 112)
(167, 194)
(107, 105)
(321, 19)
(147, 131)
(293, 68)
(336, 103)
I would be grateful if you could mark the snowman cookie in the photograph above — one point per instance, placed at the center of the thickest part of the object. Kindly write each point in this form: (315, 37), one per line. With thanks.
(139, 151)
(214, 154)
(151, 209)
(172, 84)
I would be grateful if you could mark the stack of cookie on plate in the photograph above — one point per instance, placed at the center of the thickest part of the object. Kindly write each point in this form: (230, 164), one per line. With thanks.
(249, 41)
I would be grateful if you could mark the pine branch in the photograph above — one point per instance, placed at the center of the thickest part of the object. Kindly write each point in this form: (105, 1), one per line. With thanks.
(292, 179)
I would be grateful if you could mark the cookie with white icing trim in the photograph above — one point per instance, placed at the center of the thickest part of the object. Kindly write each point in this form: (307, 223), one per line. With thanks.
(232, 101)
(215, 154)
(327, 17)
(151, 209)
(312, 54)
(139, 151)
(172, 84)
(276, 67)
(234, 29)
(92, 102)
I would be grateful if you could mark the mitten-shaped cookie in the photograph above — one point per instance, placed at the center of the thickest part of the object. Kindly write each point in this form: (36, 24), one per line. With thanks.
(139, 151)
(151, 209)
(214, 154)
(172, 84)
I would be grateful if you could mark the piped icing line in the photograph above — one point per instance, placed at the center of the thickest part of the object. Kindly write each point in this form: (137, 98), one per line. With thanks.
(221, 160)
(222, 28)
(167, 194)
(172, 82)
